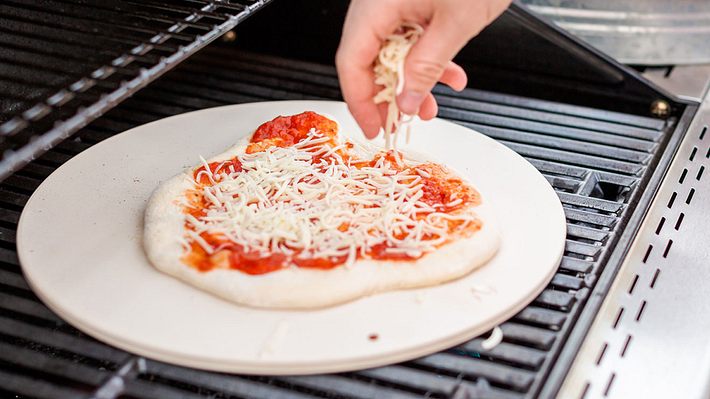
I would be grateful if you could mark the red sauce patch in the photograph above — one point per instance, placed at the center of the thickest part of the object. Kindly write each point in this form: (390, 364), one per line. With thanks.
(442, 188)
(216, 168)
(284, 131)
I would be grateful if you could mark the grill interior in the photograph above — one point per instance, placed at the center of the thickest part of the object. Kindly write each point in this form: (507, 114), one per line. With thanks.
(63, 63)
(598, 162)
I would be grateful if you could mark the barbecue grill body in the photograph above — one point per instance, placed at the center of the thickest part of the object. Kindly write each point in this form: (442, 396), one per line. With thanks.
(582, 119)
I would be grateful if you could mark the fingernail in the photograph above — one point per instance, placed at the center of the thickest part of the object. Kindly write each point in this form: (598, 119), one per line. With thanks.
(410, 101)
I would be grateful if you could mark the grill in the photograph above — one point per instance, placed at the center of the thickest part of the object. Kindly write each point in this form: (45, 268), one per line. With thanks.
(604, 165)
(597, 161)
(62, 64)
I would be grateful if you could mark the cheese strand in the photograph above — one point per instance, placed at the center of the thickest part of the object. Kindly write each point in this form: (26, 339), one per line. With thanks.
(389, 73)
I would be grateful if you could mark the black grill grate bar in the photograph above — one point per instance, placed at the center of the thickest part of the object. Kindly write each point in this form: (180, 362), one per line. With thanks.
(129, 12)
(588, 161)
(254, 85)
(545, 141)
(588, 233)
(514, 355)
(13, 280)
(65, 371)
(32, 308)
(57, 61)
(424, 381)
(105, 30)
(525, 335)
(552, 168)
(561, 109)
(550, 298)
(65, 42)
(150, 388)
(35, 388)
(79, 345)
(592, 203)
(541, 317)
(227, 383)
(20, 184)
(564, 184)
(569, 283)
(189, 6)
(506, 125)
(284, 67)
(11, 198)
(96, 13)
(549, 118)
(41, 62)
(598, 219)
(8, 257)
(155, 12)
(351, 388)
(474, 367)
(10, 217)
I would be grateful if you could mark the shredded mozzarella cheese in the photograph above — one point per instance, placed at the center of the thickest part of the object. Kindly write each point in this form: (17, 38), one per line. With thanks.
(287, 200)
(389, 72)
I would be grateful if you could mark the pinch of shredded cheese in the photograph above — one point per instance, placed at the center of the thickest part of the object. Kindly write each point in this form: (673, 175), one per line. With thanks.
(389, 73)
(284, 201)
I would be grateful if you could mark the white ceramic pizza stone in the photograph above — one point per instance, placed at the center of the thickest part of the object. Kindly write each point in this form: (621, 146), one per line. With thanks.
(79, 242)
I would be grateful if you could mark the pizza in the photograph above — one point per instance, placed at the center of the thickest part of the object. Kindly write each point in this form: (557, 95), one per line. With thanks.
(295, 216)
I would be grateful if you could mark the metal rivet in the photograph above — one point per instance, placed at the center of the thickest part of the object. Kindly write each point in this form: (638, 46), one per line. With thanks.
(660, 108)
(229, 37)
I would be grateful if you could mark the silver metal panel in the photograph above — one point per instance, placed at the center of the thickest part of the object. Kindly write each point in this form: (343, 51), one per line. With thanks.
(690, 82)
(651, 337)
(648, 32)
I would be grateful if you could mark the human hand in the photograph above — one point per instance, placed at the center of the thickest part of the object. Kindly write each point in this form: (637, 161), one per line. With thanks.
(448, 26)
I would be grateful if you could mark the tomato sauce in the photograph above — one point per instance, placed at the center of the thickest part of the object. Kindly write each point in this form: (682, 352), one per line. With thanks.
(285, 131)
(440, 190)
(216, 168)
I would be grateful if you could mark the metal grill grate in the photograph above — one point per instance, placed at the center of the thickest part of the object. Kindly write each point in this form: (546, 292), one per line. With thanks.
(62, 63)
(598, 162)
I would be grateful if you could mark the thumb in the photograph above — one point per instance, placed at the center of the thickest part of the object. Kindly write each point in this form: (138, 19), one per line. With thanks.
(427, 60)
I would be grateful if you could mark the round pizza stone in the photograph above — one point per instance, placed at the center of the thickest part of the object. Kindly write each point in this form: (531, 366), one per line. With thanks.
(80, 245)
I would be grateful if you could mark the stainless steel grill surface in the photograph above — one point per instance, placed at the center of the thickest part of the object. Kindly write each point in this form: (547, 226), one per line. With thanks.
(63, 63)
(599, 162)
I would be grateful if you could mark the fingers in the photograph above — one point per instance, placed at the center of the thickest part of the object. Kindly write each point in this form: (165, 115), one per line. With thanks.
(365, 27)
(357, 84)
(454, 76)
(429, 108)
(429, 61)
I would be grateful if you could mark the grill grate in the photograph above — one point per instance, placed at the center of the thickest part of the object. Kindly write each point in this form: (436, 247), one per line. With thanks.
(62, 64)
(598, 162)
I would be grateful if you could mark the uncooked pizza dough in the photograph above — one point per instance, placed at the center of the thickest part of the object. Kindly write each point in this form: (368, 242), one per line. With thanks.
(167, 241)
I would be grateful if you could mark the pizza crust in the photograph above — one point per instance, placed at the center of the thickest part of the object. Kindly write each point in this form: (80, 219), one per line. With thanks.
(301, 288)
